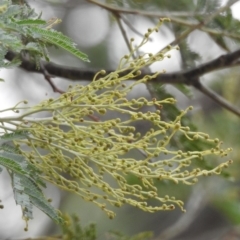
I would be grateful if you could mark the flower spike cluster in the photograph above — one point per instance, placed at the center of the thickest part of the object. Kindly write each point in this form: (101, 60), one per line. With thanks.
(93, 159)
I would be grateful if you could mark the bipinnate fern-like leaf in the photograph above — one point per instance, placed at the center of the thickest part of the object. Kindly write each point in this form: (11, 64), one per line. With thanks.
(31, 22)
(26, 183)
(21, 29)
(58, 39)
(29, 194)
(12, 136)
(75, 231)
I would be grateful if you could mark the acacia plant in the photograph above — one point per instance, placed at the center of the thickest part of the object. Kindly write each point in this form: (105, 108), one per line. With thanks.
(74, 149)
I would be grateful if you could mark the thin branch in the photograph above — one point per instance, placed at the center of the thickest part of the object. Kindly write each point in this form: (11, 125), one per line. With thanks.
(207, 18)
(48, 77)
(174, 16)
(124, 34)
(189, 77)
(217, 98)
(181, 77)
(156, 14)
(131, 27)
(204, 22)
(221, 33)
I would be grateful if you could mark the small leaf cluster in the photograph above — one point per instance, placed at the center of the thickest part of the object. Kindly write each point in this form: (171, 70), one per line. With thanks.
(114, 235)
(73, 230)
(24, 32)
(26, 182)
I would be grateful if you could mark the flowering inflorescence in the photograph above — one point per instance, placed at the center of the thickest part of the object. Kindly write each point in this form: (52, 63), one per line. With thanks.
(92, 158)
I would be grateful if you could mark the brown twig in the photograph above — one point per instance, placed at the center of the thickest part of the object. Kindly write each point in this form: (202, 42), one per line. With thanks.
(217, 98)
(181, 77)
(207, 18)
(156, 14)
(189, 77)
(124, 34)
(48, 77)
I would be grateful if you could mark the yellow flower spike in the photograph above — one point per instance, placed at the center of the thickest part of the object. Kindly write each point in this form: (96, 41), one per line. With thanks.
(88, 151)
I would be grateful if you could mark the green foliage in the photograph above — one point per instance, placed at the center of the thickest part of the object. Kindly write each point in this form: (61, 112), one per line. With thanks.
(26, 182)
(140, 236)
(58, 39)
(227, 24)
(207, 6)
(188, 56)
(12, 136)
(22, 31)
(72, 230)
